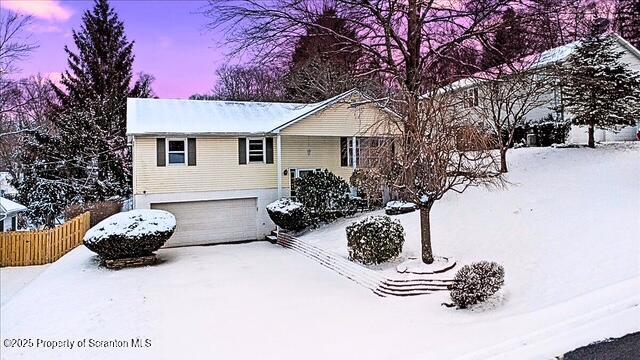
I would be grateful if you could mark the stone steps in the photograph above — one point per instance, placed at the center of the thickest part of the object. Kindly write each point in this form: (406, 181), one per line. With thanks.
(377, 283)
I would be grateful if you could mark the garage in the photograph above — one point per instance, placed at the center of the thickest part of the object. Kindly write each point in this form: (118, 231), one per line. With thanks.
(211, 222)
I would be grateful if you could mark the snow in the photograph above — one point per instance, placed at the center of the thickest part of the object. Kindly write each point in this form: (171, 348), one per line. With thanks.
(565, 231)
(5, 186)
(158, 116)
(284, 206)
(398, 204)
(9, 207)
(13, 279)
(131, 224)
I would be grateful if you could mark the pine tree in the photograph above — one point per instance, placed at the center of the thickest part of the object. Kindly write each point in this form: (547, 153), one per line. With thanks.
(600, 90)
(85, 156)
(509, 42)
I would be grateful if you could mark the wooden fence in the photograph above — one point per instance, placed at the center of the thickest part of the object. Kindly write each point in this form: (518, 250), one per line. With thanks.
(22, 248)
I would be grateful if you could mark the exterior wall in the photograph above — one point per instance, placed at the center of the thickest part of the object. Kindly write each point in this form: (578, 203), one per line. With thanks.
(7, 222)
(580, 134)
(309, 152)
(341, 120)
(217, 169)
(264, 224)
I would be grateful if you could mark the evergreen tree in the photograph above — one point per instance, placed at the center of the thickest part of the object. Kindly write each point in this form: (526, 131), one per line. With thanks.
(86, 157)
(323, 64)
(627, 20)
(600, 91)
(509, 42)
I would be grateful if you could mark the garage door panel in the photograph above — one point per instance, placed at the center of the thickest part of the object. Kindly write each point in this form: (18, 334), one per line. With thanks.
(210, 222)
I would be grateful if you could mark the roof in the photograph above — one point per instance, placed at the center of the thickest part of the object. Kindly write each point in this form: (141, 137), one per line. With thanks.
(172, 116)
(9, 207)
(537, 61)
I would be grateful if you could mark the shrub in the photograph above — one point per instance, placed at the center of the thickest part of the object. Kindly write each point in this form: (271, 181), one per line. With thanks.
(99, 210)
(288, 214)
(547, 132)
(374, 239)
(399, 207)
(325, 195)
(130, 234)
(476, 282)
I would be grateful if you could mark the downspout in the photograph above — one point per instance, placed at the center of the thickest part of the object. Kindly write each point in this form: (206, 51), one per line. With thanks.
(279, 163)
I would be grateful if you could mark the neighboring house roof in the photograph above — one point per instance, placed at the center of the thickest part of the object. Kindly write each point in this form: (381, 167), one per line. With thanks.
(169, 116)
(8, 207)
(536, 61)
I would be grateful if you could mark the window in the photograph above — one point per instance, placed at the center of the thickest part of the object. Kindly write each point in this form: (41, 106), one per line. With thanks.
(350, 151)
(255, 150)
(176, 151)
(470, 98)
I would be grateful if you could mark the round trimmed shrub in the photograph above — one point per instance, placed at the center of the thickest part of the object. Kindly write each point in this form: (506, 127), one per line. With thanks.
(288, 214)
(130, 234)
(374, 240)
(476, 282)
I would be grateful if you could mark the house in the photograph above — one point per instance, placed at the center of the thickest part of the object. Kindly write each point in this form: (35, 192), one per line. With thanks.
(468, 88)
(217, 164)
(9, 211)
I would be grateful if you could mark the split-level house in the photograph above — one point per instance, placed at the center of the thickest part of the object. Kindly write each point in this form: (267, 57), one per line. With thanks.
(217, 164)
(470, 93)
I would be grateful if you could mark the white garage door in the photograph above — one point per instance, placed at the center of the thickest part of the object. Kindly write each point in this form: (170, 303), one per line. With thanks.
(210, 222)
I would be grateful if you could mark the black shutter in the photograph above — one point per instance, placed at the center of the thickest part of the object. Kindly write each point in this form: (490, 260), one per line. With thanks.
(343, 152)
(161, 153)
(242, 151)
(269, 150)
(191, 143)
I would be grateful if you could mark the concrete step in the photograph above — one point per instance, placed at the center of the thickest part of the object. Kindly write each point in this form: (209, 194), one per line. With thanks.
(370, 279)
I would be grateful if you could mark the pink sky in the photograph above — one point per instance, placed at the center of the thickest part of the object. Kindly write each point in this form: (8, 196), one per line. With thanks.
(170, 40)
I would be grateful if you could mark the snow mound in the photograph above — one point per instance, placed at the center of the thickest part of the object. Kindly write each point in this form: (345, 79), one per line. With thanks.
(399, 207)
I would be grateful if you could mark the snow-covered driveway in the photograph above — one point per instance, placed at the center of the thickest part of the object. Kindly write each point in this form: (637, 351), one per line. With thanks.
(261, 301)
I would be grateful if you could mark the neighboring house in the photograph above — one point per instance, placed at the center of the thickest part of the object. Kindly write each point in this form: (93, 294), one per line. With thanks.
(9, 211)
(471, 97)
(216, 164)
(5, 184)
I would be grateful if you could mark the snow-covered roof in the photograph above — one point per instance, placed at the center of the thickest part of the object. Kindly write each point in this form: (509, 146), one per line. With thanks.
(9, 207)
(172, 116)
(535, 61)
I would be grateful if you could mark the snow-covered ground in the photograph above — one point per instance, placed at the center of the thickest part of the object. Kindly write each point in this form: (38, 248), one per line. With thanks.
(13, 279)
(566, 232)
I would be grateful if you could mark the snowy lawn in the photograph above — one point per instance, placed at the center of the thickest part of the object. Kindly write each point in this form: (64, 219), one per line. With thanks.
(566, 232)
(13, 279)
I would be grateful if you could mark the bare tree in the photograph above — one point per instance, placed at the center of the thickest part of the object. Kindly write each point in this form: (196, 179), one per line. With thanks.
(438, 152)
(504, 97)
(248, 83)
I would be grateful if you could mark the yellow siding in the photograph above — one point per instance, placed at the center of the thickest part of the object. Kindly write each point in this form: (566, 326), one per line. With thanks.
(312, 152)
(218, 169)
(341, 120)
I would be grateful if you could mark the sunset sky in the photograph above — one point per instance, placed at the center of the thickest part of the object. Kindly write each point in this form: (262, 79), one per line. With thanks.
(171, 42)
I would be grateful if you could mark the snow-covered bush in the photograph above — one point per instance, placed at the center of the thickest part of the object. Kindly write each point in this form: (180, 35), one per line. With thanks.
(399, 207)
(130, 234)
(288, 214)
(476, 282)
(374, 239)
(325, 195)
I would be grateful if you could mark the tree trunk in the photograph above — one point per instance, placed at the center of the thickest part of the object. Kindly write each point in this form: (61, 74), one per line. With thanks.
(503, 160)
(425, 232)
(592, 140)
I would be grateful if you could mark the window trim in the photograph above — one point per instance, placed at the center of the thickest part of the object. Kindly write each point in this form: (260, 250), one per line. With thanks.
(185, 152)
(470, 93)
(264, 150)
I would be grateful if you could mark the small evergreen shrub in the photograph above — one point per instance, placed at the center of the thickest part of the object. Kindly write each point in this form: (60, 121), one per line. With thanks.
(130, 234)
(288, 214)
(325, 195)
(476, 282)
(374, 240)
(547, 132)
